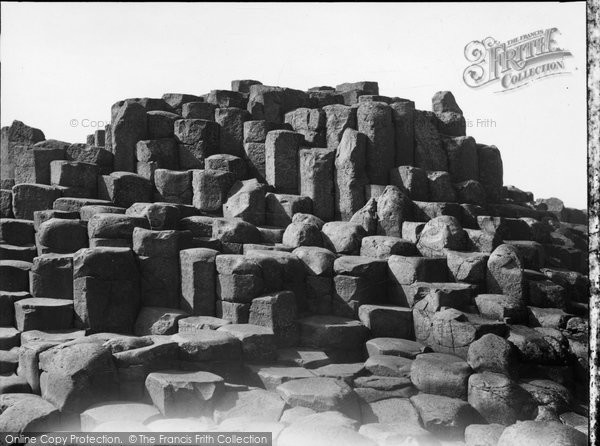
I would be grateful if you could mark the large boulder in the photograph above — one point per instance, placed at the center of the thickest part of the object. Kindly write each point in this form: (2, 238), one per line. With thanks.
(76, 375)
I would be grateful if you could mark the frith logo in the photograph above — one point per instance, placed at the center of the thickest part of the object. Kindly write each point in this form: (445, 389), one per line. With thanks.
(516, 62)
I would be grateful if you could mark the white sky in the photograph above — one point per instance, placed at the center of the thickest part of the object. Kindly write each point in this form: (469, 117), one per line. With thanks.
(65, 61)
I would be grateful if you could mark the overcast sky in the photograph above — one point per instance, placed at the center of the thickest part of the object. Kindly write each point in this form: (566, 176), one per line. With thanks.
(64, 62)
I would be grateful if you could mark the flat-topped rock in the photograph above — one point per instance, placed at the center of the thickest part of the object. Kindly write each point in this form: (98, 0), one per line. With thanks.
(39, 313)
(183, 393)
(116, 411)
(395, 347)
(206, 345)
(303, 357)
(331, 332)
(258, 343)
(257, 403)
(387, 365)
(441, 374)
(273, 376)
(446, 417)
(194, 323)
(320, 394)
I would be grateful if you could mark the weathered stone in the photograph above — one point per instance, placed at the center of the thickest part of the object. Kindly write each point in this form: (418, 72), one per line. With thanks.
(492, 353)
(482, 241)
(467, 267)
(316, 167)
(331, 332)
(395, 347)
(116, 411)
(225, 98)
(258, 343)
(462, 158)
(255, 160)
(257, 403)
(350, 174)
(105, 289)
(549, 394)
(115, 226)
(321, 395)
(490, 172)
(441, 374)
(499, 399)
(351, 292)
(161, 151)
(233, 230)
(211, 188)
(429, 152)
(280, 208)
(177, 393)
(310, 123)
(483, 434)
(338, 119)
(535, 346)
(391, 410)
(405, 270)
(441, 234)
(173, 186)
(343, 237)
(277, 312)
(128, 126)
(411, 179)
(231, 134)
(317, 261)
(542, 432)
(198, 281)
(256, 131)
(446, 417)
(545, 294)
(157, 321)
(387, 321)
(403, 119)
(246, 200)
(281, 160)
(17, 231)
(198, 110)
(27, 414)
(374, 119)
(15, 275)
(208, 345)
(6, 203)
(383, 247)
(389, 366)
(393, 208)
(271, 377)
(28, 198)
(62, 236)
(440, 186)
(40, 313)
(450, 116)
(505, 273)
(198, 139)
(77, 375)
(367, 217)
(124, 188)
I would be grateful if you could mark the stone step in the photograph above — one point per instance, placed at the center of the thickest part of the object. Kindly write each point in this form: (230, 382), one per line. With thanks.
(39, 313)
(25, 253)
(14, 275)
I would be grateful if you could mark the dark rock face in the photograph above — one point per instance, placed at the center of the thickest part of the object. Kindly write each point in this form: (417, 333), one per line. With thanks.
(332, 266)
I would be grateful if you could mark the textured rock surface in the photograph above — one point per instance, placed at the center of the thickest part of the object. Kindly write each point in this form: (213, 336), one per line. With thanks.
(332, 266)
